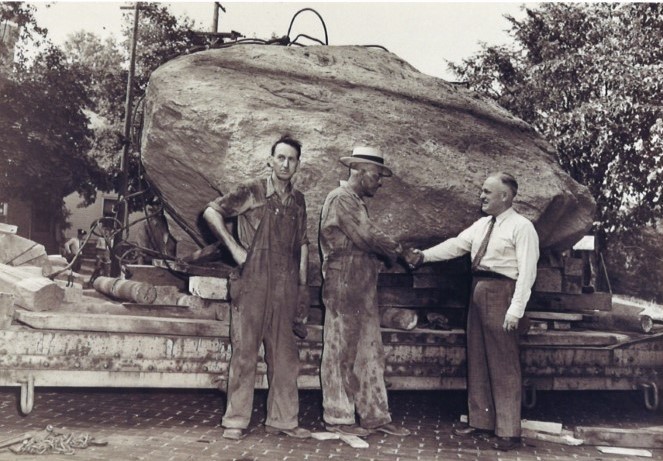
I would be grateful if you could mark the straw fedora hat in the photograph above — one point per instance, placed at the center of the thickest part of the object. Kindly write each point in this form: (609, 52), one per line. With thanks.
(364, 154)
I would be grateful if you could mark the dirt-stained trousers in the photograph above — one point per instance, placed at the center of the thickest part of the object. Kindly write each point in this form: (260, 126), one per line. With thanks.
(264, 311)
(353, 359)
(493, 360)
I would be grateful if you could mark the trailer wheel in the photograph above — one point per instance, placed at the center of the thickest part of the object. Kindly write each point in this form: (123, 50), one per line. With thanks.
(650, 395)
(27, 395)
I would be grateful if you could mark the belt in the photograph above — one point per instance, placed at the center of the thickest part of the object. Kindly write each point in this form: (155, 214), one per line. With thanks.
(490, 275)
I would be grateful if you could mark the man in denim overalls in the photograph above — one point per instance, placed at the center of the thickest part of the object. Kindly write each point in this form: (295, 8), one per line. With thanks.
(273, 254)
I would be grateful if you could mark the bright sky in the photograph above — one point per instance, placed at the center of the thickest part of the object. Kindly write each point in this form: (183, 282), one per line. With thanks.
(424, 34)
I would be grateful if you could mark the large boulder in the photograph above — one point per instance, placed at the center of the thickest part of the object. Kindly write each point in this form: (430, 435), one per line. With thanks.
(211, 118)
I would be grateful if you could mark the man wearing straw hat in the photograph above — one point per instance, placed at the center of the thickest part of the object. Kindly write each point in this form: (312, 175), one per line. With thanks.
(353, 360)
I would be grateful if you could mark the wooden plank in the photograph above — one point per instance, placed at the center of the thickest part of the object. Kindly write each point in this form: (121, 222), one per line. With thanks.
(570, 302)
(625, 451)
(631, 438)
(6, 310)
(548, 279)
(14, 249)
(8, 228)
(123, 324)
(564, 439)
(573, 266)
(156, 276)
(570, 338)
(219, 270)
(541, 426)
(209, 287)
(562, 316)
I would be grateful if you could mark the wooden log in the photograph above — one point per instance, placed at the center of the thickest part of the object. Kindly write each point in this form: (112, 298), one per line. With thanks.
(123, 324)
(127, 290)
(6, 310)
(401, 319)
(31, 292)
(631, 438)
(209, 287)
(618, 321)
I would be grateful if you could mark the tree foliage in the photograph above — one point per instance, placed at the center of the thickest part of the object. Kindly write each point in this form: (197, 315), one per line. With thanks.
(43, 126)
(589, 78)
(161, 36)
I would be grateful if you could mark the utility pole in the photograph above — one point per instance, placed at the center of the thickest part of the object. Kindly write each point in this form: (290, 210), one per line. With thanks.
(123, 206)
(215, 19)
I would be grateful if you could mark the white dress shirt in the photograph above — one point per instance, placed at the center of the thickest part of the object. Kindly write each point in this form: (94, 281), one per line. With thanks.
(513, 251)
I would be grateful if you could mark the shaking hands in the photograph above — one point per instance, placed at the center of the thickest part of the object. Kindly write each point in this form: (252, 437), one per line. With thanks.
(413, 257)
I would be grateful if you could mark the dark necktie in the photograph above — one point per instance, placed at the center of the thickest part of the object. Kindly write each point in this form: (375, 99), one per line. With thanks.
(484, 245)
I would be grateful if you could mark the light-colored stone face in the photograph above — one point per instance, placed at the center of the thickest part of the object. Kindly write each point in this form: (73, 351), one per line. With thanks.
(284, 162)
(495, 197)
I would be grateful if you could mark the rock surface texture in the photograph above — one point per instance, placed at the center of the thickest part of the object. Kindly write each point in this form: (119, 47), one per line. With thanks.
(211, 118)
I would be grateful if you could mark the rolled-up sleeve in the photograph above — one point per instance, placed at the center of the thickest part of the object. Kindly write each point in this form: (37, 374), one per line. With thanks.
(235, 202)
(355, 223)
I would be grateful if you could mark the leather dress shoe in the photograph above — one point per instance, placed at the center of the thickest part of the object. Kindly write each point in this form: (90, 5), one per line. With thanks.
(507, 443)
(466, 430)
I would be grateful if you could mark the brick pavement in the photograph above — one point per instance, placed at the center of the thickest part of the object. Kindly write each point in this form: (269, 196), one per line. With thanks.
(159, 424)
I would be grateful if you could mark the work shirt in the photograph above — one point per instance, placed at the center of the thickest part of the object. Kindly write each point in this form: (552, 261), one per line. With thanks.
(345, 227)
(247, 203)
(513, 251)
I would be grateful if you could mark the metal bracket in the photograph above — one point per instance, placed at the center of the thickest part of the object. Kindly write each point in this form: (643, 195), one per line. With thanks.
(650, 395)
(27, 395)
(529, 395)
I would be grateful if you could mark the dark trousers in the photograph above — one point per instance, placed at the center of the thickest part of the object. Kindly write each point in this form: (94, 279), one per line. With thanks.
(494, 379)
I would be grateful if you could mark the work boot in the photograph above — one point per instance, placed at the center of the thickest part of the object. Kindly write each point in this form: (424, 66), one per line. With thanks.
(233, 433)
(392, 429)
(296, 432)
(347, 429)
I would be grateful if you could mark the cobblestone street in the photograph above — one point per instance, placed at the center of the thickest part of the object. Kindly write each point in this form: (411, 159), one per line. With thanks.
(184, 425)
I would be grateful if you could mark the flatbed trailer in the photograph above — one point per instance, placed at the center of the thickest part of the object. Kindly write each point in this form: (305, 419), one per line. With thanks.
(420, 359)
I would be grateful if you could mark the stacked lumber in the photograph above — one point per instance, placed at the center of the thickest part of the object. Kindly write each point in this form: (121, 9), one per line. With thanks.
(559, 301)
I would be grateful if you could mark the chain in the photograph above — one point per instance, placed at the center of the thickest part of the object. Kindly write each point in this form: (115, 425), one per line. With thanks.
(52, 441)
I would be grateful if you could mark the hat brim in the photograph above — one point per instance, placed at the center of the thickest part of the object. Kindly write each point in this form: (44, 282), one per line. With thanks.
(350, 161)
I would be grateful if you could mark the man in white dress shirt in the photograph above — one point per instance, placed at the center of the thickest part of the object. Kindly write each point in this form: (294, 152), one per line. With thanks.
(504, 248)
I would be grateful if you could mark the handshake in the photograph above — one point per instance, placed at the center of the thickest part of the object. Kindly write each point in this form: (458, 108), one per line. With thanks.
(412, 257)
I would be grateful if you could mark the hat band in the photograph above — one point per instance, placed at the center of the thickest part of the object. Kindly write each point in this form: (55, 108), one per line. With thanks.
(370, 157)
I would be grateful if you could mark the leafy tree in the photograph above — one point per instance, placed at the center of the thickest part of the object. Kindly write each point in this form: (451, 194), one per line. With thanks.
(589, 78)
(161, 36)
(43, 125)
